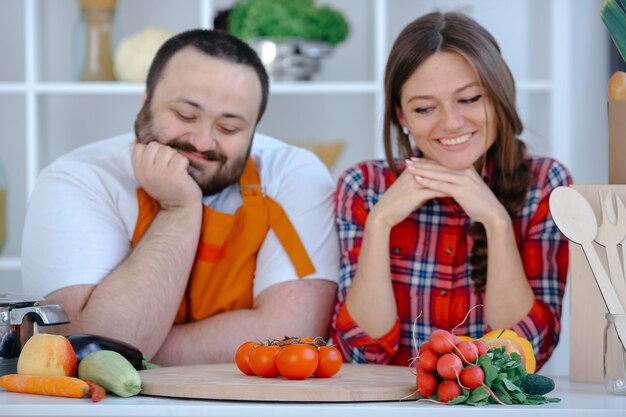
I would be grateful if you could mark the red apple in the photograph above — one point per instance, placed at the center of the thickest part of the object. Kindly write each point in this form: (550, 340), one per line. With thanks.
(47, 354)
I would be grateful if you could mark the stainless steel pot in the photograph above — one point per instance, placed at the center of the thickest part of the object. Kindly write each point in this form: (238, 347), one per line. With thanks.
(291, 60)
(17, 318)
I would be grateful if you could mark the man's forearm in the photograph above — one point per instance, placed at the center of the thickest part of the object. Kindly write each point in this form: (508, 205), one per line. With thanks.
(279, 311)
(143, 293)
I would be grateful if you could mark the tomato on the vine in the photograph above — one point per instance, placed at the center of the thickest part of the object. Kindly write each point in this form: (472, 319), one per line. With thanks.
(242, 357)
(263, 360)
(330, 362)
(297, 361)
(287, 340)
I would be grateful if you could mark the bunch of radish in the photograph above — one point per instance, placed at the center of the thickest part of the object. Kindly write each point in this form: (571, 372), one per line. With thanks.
(446, 364)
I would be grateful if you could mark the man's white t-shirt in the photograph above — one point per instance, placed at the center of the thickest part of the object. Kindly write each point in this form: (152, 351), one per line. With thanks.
(82, 212)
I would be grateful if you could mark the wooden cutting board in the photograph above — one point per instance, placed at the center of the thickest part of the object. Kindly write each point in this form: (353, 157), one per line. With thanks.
(355, 382)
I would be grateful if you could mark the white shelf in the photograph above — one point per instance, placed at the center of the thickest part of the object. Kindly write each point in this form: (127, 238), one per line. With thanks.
(12, 88)
(308, 88)
(115, 88)
(279, 88)
(10, 263)
(95, 88)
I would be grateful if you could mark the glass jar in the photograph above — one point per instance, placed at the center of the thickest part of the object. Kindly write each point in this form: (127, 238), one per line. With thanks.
(97, 26)
(614, 355)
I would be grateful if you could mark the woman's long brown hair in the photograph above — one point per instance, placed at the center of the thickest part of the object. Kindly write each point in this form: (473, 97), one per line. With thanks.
(456, 32)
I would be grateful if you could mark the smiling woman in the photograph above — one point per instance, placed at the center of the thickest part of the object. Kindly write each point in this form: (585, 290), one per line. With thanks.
(445, 109)
(457, 215)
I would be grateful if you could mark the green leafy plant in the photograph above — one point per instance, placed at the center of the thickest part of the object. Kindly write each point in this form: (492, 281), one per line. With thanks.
(504, 375)
(613, 14)
(287, 19)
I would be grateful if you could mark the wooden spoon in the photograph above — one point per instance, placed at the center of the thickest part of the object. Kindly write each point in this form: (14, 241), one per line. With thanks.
(575, 218)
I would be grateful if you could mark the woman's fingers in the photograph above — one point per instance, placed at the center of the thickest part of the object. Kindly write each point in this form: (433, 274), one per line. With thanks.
(403, 198)
(466, 187)
(439, 177)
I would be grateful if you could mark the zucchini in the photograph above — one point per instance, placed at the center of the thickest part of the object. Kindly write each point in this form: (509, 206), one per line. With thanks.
(534, 384)
(112, 371)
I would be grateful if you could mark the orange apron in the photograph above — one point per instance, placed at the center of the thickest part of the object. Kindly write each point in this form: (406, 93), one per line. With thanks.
(223, 271)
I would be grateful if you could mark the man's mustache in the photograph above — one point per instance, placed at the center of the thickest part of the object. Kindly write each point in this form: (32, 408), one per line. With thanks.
(188, 147)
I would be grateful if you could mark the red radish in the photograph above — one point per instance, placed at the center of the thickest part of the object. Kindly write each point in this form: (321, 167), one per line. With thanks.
(425, 346)
(467, 351)
(449, 366)
(472, 376)
(428, 361)
(426, 383)
(481, 346)
(448, 390)
(441, 341)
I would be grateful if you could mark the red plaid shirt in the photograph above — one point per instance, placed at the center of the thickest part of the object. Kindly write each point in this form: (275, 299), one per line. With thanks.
(430, 270)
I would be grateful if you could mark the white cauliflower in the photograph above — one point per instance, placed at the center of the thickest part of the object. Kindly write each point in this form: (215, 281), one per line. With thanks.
(135, 54)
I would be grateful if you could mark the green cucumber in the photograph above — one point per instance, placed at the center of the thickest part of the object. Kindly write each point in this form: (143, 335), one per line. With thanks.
(112, 371)
(534, 384)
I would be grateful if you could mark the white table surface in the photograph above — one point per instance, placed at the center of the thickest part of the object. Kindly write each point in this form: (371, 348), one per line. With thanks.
(577, 399)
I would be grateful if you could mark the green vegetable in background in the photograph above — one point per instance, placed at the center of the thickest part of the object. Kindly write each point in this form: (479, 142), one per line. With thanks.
(286, 19)
(505, 375)
(613, 14)
(537, 384)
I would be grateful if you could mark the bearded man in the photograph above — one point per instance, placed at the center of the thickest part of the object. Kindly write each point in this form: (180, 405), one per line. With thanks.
(194, 233)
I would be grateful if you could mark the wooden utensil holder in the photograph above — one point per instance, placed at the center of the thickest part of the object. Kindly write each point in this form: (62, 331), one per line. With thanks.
(587, 308)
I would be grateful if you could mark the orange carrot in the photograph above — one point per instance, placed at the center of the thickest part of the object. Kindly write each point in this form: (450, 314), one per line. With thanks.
(96, 392)
(59, 386)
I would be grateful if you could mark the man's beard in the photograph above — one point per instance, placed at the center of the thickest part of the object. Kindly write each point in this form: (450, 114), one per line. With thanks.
(228, 172)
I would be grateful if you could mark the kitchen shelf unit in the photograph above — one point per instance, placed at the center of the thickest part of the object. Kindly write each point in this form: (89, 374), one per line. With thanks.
(51, 112)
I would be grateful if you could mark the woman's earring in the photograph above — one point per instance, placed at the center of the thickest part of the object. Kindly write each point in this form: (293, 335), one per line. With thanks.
(405, 130)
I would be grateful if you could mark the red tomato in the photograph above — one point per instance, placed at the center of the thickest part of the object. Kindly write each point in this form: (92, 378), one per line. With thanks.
(292, 340)
(297, 361)
(330, 362)
(263, 361)
(286, 340)
(242, 357)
